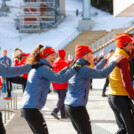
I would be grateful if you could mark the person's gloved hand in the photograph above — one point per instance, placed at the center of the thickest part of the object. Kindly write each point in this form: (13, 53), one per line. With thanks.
(77, 66)
(36, 65)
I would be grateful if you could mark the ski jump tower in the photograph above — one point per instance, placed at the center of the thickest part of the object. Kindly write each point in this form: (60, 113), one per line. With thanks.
(86, 23)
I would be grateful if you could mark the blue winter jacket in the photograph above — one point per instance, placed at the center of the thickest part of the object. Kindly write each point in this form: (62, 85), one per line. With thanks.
(5, 60)
(79, 84)
(13, 71)
(38, 84)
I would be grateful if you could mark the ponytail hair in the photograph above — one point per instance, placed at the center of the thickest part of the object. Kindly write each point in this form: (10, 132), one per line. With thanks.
(34, 56)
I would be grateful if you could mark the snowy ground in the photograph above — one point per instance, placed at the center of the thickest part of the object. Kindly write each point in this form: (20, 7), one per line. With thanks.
(10, 38)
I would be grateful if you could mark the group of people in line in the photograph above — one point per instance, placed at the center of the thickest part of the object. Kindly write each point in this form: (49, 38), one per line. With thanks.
(72, 83)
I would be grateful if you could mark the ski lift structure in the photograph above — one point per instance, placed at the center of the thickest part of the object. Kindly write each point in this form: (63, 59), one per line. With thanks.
(37, 15)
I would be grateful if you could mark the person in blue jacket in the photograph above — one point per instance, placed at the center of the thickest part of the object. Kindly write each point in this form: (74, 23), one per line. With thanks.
(38, 85)
(7, 71)
(5, 60)
(79, 85)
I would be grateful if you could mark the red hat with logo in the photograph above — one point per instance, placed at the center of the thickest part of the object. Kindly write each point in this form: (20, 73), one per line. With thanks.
(46, 51)
(122, 40)
(81, 50)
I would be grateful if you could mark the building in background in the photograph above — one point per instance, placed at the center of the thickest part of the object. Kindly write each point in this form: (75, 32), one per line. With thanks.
(40, 15)
(123, 8)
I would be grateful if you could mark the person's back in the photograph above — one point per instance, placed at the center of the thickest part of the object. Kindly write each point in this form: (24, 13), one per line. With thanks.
(79, 84)
(58, 65)
(78, 89)
(116, 85)
(36, 89)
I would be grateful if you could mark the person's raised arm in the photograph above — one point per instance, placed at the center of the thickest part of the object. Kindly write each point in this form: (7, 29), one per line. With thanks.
(103, 62)
(47, 73)
(61, 77)
(88, 72)
(7, 71)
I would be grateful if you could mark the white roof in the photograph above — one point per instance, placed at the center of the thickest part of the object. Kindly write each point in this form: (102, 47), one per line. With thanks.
(123, 8)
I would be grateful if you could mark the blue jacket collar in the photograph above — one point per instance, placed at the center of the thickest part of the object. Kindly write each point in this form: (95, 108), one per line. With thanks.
(83, 61)
(45, 62)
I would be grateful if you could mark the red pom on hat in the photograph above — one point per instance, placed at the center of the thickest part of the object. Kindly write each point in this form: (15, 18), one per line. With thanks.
(81, 50)
(122, 40)
(46, 51)
(61, 53)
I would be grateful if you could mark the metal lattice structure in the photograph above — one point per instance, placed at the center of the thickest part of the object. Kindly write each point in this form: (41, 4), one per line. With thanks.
(37, 15)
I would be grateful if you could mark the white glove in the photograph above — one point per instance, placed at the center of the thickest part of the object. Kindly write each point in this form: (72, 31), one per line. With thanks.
(70, 57)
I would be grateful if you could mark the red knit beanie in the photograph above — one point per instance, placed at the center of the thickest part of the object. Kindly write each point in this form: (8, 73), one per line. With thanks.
(81, 50)
(122, 40)
(61, 54)
(46, 51)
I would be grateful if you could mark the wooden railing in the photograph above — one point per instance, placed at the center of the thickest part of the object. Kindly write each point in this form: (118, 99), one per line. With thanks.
(109, 38)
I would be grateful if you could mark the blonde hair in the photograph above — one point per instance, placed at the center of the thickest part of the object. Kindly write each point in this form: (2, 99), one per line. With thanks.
(34, 56)
(17, 52)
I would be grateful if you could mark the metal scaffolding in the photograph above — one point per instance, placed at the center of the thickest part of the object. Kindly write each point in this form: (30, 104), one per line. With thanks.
(37, 15)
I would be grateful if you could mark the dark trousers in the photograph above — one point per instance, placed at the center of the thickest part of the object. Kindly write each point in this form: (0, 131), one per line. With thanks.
(91, 81)
(16, 80)
(2, 128)
(105, 86)
(60, 104)
(79, 118)
(35, 120)
(121, 108)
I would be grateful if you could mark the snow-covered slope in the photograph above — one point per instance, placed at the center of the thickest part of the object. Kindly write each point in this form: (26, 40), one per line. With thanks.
(10, 38)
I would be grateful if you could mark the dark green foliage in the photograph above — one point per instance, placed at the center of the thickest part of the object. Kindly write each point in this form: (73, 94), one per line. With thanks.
(105, 5)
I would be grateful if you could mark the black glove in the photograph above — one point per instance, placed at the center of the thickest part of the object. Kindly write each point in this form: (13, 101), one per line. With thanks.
(36, 65)
(77, 66)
